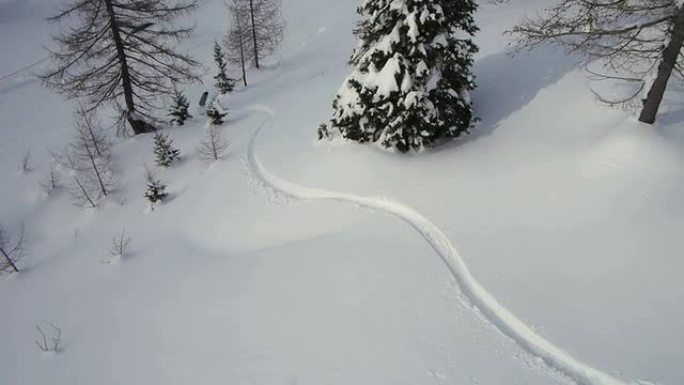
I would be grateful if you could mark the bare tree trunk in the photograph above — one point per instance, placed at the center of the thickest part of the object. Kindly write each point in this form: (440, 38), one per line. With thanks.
(254, 34)
(137, 125)
(96, 169)
(95, 140)
(242, 53)
(85, 193)
(9, 260)
(670, 55)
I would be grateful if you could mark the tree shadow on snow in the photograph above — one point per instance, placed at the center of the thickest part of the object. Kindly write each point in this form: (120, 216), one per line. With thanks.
(506, 84)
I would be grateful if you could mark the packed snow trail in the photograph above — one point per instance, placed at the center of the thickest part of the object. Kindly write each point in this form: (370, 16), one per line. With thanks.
(505, 321)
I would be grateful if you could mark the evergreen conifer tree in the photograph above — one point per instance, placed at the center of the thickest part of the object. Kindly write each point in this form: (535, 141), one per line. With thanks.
(179, 110)
(412, 76)
(215, 115)
(224, 83)
(156, 190)
(164, 150)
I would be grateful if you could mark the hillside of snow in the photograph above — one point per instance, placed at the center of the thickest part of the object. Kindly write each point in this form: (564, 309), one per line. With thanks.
(544, 248)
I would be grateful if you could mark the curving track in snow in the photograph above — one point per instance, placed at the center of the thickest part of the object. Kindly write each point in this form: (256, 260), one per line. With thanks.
(500, 317)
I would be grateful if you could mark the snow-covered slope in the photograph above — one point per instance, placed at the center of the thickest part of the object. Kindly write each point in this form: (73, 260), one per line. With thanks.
(567, 213)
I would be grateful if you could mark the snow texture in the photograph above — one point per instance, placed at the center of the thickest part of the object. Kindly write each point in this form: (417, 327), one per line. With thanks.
(567, 217)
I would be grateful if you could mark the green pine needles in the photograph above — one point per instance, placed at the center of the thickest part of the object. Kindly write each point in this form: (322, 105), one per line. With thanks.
(224, 83)
(412, 75)
(166, 153)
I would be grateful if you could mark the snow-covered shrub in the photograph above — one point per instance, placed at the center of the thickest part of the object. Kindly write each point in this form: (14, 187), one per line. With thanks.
(323, 132)
(215, 115)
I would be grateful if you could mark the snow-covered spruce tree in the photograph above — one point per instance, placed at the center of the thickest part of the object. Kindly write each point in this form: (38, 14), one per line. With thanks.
(412, 76)
(179, 110)
(224, 84)
(156, 190)
(165, 153)
(216, 114)
(121, 53)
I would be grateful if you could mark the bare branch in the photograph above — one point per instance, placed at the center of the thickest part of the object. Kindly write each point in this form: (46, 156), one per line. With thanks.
(54, 345)
(120, 244)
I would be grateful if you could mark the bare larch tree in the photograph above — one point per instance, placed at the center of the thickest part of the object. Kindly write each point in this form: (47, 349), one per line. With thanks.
(120, 243)
(90, 157)
(122, 53)
(238, 39)
(628, 36)
(259, 27)
(214, 146)
(266, 27)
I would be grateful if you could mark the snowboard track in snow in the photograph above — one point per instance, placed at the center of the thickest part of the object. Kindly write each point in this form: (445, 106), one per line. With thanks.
(496, 314)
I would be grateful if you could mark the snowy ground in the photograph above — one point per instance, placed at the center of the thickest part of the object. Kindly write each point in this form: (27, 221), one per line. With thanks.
(568, 213)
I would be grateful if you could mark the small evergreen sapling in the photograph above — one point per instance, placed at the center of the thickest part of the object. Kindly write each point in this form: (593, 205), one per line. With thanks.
(179, 110)
(224, 83)
(156, 190)
(323, 132)
(164, 150)
(216, 115)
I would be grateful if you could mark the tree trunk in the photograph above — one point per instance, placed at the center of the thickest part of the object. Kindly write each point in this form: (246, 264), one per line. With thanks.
(94, 139)
(137, 125)
(84, 192)
(9, 260)
(254, 34)
(103, 189)
(667, 64)
(242, 52)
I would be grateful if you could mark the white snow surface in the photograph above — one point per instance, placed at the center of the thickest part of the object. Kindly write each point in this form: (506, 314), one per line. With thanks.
(566, 215)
